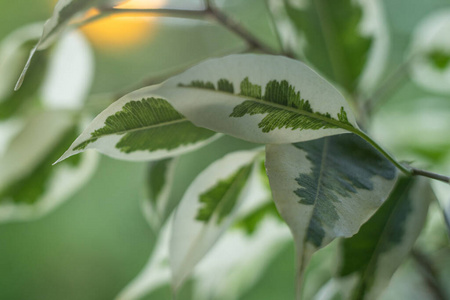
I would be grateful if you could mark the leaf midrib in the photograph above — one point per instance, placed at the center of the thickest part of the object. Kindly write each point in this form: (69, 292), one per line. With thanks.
(208, 223)
(136, 129)
(287, 108)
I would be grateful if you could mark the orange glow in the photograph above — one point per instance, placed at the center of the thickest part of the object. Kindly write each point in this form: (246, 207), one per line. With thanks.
(142, 4)
(123, 31)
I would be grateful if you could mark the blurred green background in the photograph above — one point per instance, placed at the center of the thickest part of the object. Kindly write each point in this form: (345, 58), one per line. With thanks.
(96, 242)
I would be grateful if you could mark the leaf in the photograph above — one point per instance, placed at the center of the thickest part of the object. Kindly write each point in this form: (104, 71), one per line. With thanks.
(430, 53)
(29, 185)
(258, 98)
(159, 180)
(326, 188)
(238, 261)
(378, 249)
(68, 81)
(335, 43)
(65, 11)
(155, 273)
(12, 57)
(207, 209)
(140, 128)
(233, 265)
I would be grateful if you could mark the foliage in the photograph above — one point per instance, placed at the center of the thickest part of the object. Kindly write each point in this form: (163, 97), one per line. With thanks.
(313, 96)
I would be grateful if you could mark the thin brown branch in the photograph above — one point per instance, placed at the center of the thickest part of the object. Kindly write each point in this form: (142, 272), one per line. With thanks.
(419, 172)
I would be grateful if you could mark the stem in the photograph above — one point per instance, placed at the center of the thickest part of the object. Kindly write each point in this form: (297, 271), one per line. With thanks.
(209, 12)
(405, 170)
(237, 29)
(431, 175)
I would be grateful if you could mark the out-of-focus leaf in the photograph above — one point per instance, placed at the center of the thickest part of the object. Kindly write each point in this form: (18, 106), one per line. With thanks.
(29, 185)
(326, 188)
(208, 208)
(380, 246)
(430, 53)
(160, 176)
(13, 54)
(334, 40)
(70, 73)
(65, 11)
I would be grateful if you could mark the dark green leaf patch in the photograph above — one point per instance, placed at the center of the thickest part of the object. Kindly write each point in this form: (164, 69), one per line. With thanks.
(32, 186)
(341, 165)
(148, 125)
(222, 198)
(282, 103)
(383, 231)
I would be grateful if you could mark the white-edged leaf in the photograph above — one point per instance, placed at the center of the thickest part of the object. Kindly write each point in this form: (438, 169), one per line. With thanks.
(408, 283)
(373, 255)
(139, 127)
(326, 188)
(239, 260)
(13, 54)
(155, 273)
(258, 98)
(342, 39)
(442, 191)
(208, 208)
(70, 73)
(64, 12)
(159, 180)
(430, 51)
(29, 185)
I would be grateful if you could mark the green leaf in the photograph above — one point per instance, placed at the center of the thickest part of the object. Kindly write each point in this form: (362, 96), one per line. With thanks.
(221, 199)
(335, 44)
(440, 59)
(13, 54)
(144, 129)
(327, 188)
(382, 243)
(208, 208)
(64, 12)
(159, 180)
(258, 98)
(29, 185)
(430, 53)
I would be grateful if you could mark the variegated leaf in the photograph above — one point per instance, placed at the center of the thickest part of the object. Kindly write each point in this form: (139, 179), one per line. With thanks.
(160, 176)
(140, 127)
(208, 208)
(13, 54)
(345, 40)
(64, 12)
(327, 188)
(430, 53)
(258, 98)
(381, 245)
(29, 185)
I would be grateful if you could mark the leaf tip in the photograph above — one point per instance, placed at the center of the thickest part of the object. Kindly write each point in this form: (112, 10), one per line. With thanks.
(25, 69)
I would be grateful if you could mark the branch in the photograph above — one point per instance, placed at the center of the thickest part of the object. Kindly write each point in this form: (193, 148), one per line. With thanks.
(209, 12)
(240, 31)
(431, 175)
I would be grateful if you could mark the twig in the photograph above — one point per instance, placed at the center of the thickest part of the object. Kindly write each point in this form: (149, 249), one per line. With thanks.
(210, 11)
(237, 29)
(429, 274)
(431, 175)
